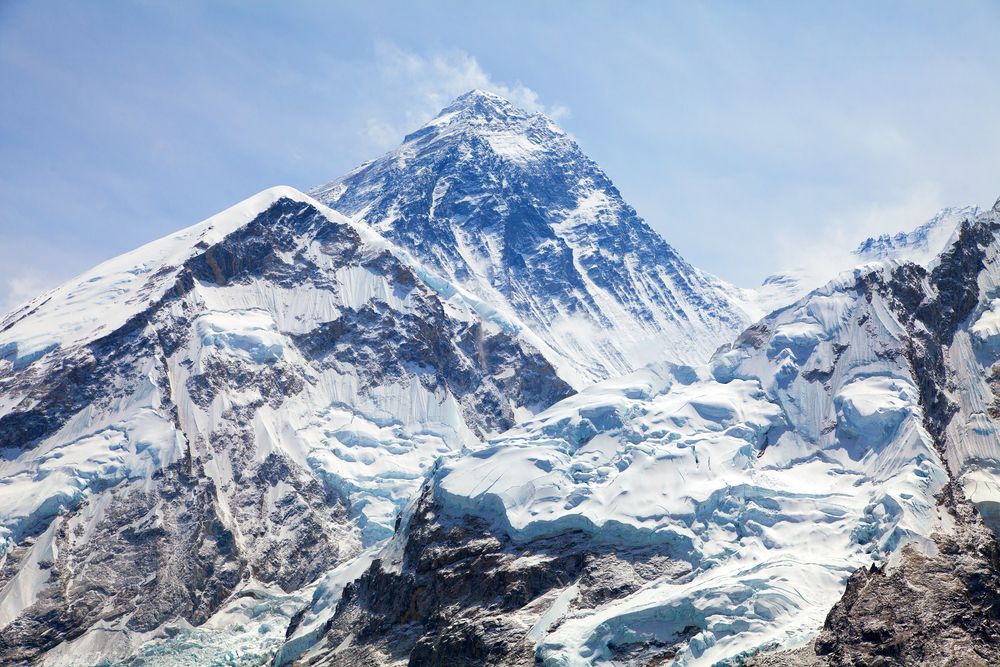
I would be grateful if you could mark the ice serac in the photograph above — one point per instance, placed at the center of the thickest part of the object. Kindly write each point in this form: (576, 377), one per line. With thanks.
(504, 203)
(701, 515)
(225, 415)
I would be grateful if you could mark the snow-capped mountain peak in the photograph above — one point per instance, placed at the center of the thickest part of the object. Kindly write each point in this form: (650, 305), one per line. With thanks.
(482, 108)
(342, 429)
(504, 203)
(511, 133)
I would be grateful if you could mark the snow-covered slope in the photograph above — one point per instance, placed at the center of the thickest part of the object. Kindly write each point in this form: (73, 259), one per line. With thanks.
(246, 403)
(505, 204)
(700, 514)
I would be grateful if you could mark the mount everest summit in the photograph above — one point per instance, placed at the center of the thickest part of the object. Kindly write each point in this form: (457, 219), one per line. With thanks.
(462, 406)
(504, 204)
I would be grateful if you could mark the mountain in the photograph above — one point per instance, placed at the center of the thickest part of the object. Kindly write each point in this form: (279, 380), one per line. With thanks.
(697, 516)
(425, 432)
(247, 403)
(505, 204)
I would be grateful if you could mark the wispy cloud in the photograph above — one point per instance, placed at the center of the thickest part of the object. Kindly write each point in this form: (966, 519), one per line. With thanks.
(22, 287)
(914, 207)
(839, 232)
(438, 77)
(423, 83)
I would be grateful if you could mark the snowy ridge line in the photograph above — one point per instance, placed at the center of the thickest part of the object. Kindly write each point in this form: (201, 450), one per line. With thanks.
(288, 386)
(118, 280)
(55, 321)
(922, 246)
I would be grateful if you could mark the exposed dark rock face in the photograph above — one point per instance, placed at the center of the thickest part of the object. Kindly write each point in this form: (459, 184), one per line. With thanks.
(932, 317)
(942, 609)
(255, 251)
(464, 360)
(71, 380)
(146, 556)
(276, 381)
(465, 594)
(927, 610)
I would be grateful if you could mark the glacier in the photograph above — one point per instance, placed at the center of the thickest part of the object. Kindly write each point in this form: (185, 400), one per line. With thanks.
(771, 474)
(702, 515)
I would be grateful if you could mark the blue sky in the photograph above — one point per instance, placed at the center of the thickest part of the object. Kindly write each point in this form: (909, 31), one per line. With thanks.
(743, 132)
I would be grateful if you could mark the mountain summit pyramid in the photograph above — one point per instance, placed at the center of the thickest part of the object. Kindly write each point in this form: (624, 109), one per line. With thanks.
(505, 205)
